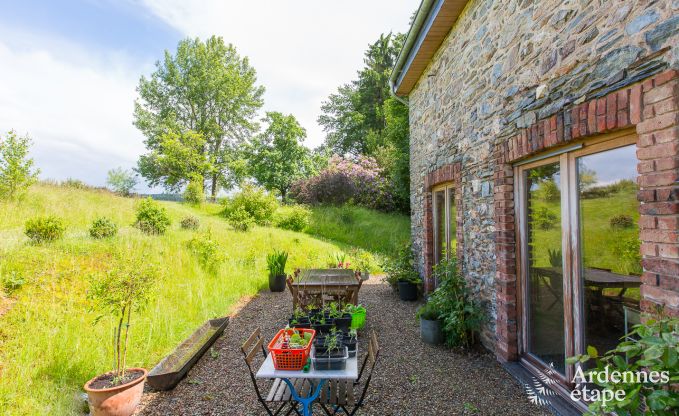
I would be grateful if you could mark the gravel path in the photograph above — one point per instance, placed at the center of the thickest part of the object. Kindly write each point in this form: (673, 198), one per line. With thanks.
(411, 378)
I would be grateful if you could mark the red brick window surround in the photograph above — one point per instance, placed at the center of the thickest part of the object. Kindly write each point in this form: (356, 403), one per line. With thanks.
(445, 174)
(652, 107)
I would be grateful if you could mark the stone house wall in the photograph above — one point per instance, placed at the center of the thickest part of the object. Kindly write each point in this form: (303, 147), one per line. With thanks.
(479, 93)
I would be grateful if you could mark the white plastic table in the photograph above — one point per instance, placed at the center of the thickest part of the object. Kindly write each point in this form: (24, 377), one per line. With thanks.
(267, 370)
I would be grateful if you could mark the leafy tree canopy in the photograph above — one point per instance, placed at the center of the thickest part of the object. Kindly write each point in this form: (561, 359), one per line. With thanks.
(363, 119)
(277, 157)
(121, 181)
(206, 89)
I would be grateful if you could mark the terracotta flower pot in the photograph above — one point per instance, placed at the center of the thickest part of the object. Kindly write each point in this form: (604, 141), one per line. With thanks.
(116, 401)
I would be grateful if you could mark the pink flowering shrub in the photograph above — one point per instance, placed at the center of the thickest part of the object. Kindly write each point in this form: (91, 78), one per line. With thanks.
(358, 181)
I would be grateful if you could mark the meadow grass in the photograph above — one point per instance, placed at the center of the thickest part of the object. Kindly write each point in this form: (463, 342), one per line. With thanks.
(48, 344)
(370, 230)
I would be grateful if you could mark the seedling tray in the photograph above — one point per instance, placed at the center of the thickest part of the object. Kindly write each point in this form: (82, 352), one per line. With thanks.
(326, 363)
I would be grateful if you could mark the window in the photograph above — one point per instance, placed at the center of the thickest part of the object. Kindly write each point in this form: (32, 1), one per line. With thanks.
(445, 221)
(578, 245)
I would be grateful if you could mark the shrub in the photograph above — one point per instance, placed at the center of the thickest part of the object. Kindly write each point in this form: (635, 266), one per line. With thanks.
(190, 223)
(75, 184)
(103, 228)
(360, 181)
(649, 347)
(12, 281)
(42, 229)
(151, 217)
(363, 260)
(240, 219)
(194, 192)
(455, 305)
(207, 250)
(401, 268)
(629, 255)
(259, 205)
(549, 191)
(543, 218)
(621, 221)
(295, 219)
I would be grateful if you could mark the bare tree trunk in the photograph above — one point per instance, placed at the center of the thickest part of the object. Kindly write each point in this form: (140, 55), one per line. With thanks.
(213, 188)
(127, 331)
(120, 326)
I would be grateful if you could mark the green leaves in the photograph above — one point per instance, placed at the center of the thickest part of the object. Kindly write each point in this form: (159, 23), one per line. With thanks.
(206, 89)
(277, 157)
(649, 349)
(16, 168)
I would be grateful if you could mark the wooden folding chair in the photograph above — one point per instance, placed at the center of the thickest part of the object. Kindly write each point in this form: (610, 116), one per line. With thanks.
(279, 394)
(340, 395)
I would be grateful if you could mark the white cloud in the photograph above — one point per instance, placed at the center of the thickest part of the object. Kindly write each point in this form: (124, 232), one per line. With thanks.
(302, 50)
(76, 106)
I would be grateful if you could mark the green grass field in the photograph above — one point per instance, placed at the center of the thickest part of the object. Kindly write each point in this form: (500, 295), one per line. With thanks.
(48, 344)
(355, 226)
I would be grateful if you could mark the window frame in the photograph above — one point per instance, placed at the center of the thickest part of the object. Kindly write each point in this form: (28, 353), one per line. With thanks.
(448, 189)
(570, 243)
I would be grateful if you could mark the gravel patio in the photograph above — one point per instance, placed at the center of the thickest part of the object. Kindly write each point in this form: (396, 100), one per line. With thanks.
(411, 378)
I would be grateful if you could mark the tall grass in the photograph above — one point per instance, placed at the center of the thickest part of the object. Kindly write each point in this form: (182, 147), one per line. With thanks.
(360, 227)
(48, 344)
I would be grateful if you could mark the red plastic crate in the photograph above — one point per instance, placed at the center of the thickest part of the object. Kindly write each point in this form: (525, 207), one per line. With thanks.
(290, 359)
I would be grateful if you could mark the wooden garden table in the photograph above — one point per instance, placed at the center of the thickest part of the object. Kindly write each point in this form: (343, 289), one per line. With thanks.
(310, 285)
(311, 383)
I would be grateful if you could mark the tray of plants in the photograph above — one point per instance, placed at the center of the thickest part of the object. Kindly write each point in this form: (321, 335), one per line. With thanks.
(290, 348)
(329, 353)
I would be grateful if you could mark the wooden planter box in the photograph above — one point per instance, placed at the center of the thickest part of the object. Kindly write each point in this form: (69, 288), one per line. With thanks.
(171, 369)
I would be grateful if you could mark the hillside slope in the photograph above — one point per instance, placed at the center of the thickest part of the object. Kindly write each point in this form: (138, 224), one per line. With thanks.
(48, 344)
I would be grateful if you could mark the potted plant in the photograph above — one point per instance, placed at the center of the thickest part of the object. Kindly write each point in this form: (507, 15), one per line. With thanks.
(331, 354)
(118, 293)
(339, 261)
(358, 315)
(430, 324)
(364, 262)
(350, 340)
(299, 319)
(340, 319)
(320, 323)
(402, 275)
(275, 262)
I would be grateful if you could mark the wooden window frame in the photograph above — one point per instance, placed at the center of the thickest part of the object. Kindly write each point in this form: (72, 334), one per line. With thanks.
(448, 189)
(570, 234)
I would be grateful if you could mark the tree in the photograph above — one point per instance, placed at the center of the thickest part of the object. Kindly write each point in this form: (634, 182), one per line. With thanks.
(207, 89)
(122, 181)
(277, 156)
(16, 168)
(363, 119)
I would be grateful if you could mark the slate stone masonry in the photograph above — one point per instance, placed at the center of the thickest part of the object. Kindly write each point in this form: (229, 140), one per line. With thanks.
(601, 65)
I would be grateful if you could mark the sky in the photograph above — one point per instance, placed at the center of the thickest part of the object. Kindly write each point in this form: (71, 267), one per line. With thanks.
(69, 68)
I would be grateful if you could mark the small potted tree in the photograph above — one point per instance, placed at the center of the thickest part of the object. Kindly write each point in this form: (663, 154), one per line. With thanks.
(124, 289)
(276, 264)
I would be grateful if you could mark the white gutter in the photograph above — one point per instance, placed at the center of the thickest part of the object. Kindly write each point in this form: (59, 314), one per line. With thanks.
(423, 19)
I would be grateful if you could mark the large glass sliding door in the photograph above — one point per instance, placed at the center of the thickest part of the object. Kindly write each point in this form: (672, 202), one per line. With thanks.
(579, 253)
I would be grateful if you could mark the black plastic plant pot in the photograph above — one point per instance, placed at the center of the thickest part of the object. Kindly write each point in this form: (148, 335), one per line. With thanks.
(322, 328)
(430, 331)
(343, 323)
(351, 346)
(277, 283)
(407, 291)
